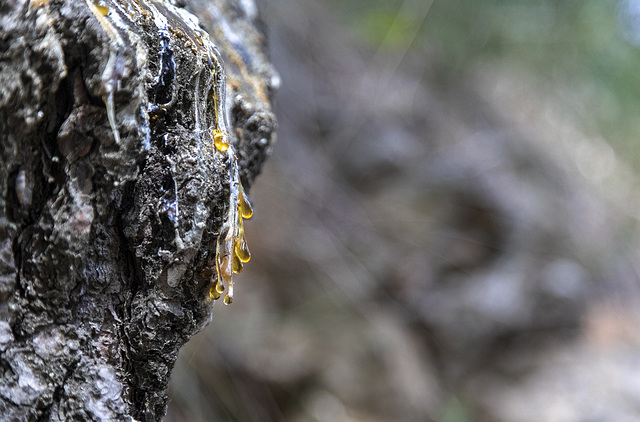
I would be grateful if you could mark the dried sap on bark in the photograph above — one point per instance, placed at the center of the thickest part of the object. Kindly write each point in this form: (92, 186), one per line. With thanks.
(173, 29)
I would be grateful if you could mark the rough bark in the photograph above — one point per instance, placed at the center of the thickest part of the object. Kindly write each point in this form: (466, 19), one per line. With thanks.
(113, 193)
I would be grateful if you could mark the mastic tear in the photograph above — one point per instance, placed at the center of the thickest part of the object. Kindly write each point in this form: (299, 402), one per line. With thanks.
(231, 246)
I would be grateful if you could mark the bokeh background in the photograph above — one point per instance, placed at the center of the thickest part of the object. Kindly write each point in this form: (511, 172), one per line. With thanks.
(448, 228)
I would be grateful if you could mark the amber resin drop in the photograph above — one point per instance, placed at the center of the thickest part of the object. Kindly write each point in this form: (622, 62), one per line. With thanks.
(227, 299)
(102, 9)
(244, 205)
(214, 294)
(220, 140)
(237, 264)
(242, 250)
(219, 288)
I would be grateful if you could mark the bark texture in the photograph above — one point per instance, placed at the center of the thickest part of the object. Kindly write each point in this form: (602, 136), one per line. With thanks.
(113, 194)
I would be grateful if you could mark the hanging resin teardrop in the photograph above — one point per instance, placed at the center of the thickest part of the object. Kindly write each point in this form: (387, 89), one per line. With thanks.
(244, 205)
(242, 250)
(219, 288)
(237, 265)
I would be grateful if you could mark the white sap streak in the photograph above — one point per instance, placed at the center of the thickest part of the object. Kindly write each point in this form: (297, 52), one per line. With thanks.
(109, 76)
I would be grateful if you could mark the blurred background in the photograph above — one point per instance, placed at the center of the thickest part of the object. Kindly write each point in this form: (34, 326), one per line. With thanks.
(448, 228)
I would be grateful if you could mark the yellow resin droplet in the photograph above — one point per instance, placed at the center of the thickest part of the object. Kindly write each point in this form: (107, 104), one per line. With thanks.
(237, 264)
(227, 299)
(220, 140)
(102, 9)
(214, 294)
(242, 250)
(219, 288)
(244, 205)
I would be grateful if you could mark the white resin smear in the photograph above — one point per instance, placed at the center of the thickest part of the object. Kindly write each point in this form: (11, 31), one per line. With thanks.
(111, 74)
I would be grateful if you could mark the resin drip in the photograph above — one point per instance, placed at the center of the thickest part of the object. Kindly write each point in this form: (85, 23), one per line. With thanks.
(112, 72)
(231, 245)
(177, 31)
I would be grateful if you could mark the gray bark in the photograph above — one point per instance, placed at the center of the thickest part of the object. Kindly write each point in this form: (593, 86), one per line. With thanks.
(109, 216)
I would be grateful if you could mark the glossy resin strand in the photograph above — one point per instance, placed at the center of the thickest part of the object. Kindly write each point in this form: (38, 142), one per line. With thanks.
(111, 74)
(231, 245)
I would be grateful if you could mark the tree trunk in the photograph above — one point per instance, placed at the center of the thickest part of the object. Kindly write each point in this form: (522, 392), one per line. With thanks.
(120, 182)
